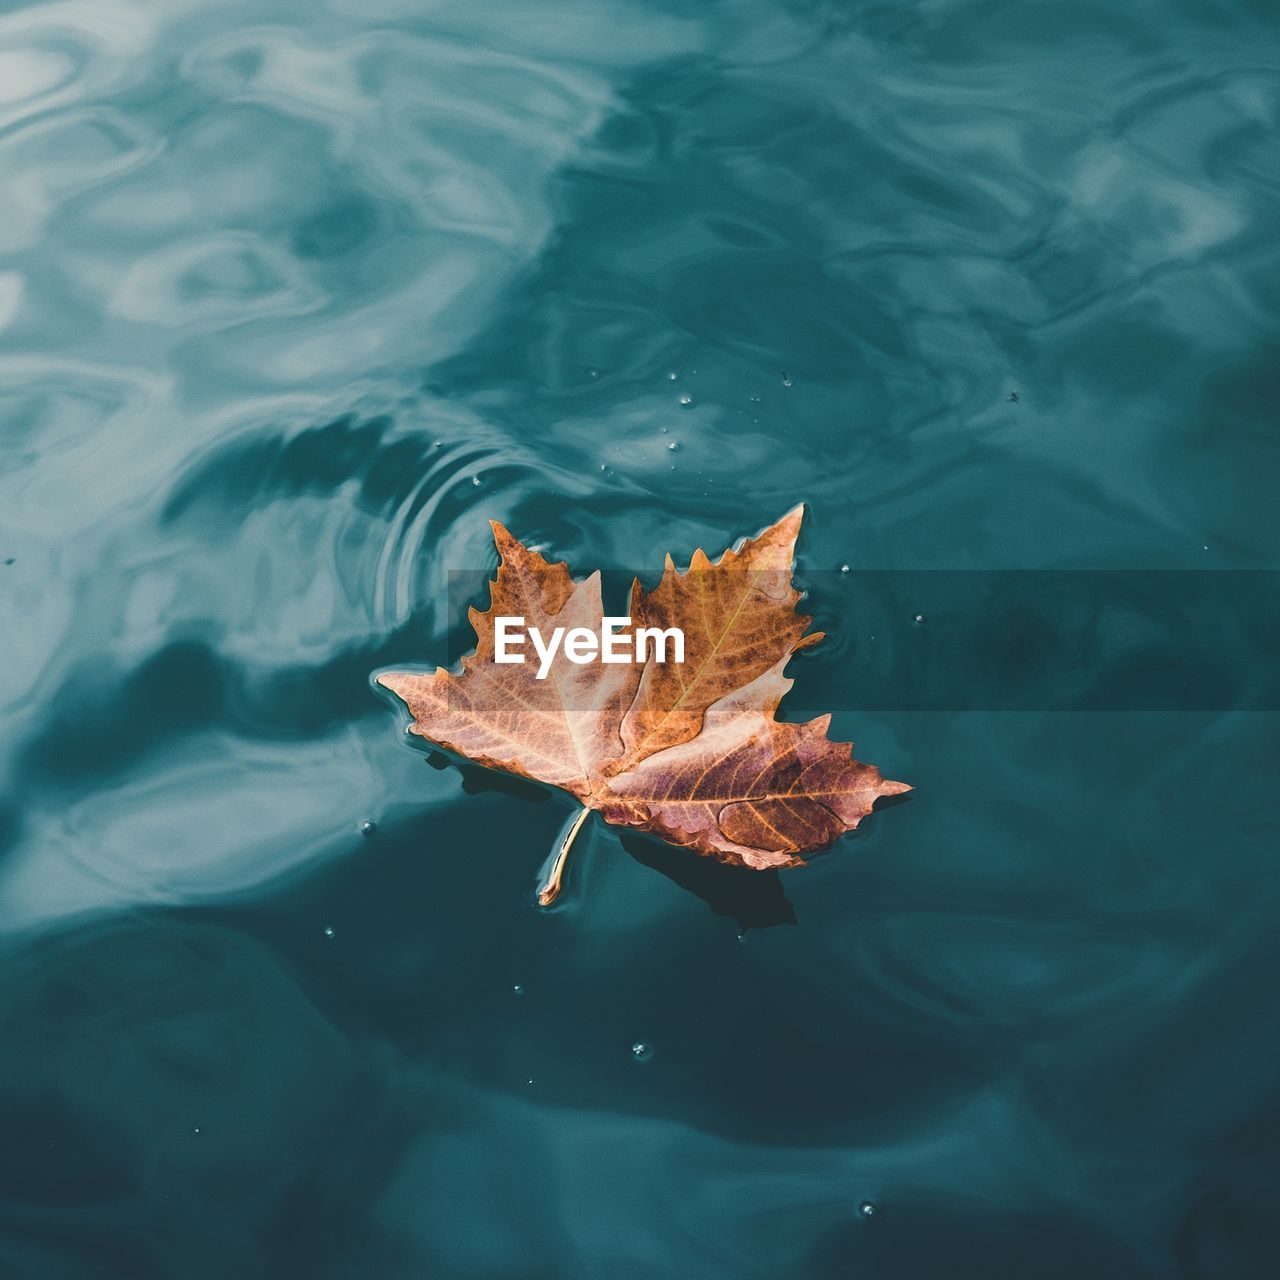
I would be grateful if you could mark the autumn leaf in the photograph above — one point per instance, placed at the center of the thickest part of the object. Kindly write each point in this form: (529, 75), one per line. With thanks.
(691, 751)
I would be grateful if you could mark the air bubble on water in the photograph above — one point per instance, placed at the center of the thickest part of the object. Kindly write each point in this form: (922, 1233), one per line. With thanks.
(919, 619)
(439, 444)
(475, 480)
(517, 990)
(195, 1129)
(328, 931)
(673, 446)
(593, 373)
(686, 400)
(786, 378)
(641, 1052)
(672, 376)
(868, 1208)
(368, 828)
(844, 568)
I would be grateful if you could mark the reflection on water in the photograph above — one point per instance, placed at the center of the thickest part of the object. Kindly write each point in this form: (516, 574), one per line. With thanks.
(293, 298)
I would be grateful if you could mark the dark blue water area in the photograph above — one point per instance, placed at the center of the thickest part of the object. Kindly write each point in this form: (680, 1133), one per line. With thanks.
(294, 298)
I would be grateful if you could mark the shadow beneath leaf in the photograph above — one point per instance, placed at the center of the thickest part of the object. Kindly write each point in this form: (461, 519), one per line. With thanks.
(755, 899)
(888, 802)
(476, 779)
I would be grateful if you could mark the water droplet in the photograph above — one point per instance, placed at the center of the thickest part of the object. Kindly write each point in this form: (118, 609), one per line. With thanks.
(641, 1052)
(672, 376)
(919, 619)
(594, 373)
(673, 446)
(195, 1129)
(868, 1208)
(439, 444)
(686, 399)
(517, 990)
(530, 1079)
(328, 931)
(475, 480)
(603, 467)
(368, 828)
(844, 568)
(786, 378)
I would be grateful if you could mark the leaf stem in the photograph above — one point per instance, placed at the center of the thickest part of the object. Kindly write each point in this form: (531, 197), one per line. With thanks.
(550, 888)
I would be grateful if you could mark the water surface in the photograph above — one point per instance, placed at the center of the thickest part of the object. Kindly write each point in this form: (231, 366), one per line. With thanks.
(294, 297)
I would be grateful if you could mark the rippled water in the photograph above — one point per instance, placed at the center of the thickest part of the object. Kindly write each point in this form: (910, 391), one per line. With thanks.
(292, 299)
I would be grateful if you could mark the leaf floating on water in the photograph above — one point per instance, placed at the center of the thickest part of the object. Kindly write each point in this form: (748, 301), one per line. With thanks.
(690, 751)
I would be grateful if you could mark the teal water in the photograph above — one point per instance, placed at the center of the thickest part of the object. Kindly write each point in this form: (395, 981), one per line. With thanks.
(294, 297)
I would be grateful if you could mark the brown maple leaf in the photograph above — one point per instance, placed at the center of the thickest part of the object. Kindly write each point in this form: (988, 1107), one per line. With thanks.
(690, 750)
